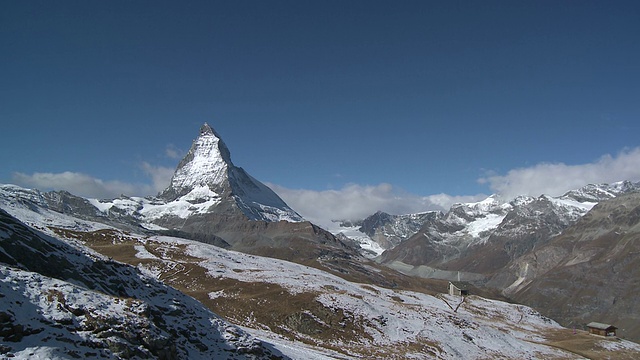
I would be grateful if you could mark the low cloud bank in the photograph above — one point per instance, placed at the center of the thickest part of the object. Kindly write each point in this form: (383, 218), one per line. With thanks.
(358, 201)
(91, 187)
(355, 202)
(557, 178)
(352, 202)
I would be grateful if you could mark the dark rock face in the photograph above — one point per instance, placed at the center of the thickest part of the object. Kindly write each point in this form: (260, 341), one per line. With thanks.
(67, 203)
(375, 221)
(588, 273)
(390, 230)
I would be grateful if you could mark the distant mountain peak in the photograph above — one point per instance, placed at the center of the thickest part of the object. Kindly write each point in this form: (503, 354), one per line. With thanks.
(205, 166)
(207, 173)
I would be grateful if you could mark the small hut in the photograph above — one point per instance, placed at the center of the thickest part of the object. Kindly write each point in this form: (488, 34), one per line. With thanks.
(458, 288)
(601, 329)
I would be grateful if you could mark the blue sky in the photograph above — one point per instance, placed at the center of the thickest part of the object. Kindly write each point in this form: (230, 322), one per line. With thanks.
(407, 100)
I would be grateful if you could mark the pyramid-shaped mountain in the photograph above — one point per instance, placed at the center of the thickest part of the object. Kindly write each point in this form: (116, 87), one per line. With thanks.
(207, 175)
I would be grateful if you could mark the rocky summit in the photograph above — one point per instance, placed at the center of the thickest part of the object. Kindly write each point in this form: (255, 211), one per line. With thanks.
(206, 174)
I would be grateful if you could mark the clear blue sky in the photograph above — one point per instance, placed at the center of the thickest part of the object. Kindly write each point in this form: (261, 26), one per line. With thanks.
(426, 96)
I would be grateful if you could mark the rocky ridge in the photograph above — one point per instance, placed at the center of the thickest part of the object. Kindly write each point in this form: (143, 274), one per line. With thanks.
(390, 230)
(482, 237)
(572, 257)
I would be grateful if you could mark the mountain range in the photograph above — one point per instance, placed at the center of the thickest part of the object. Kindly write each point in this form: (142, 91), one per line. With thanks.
(517, 246)
(175, 275)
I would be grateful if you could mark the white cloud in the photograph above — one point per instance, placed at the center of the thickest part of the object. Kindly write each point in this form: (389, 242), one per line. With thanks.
(355, 202)
(88, 186)
(352, 202)
(445, 201)
(556, 179)
(77, 184)
(172, 152)
(160, 176)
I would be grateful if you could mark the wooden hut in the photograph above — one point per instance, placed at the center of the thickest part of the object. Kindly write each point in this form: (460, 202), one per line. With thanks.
(601, 329)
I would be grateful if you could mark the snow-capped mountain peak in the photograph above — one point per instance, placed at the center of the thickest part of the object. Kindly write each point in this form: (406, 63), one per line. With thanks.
(207, 175)
(205, 165)
(598, 192)
(206, 183)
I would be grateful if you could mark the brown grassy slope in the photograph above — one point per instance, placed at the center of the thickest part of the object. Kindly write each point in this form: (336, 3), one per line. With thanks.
(257, 304)
(271, 307)
(582, 343)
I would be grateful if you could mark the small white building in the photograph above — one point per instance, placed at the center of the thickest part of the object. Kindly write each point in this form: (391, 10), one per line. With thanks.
(458, 288)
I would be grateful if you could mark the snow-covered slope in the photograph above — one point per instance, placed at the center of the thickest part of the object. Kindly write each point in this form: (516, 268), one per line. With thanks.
(206, 165)
(471, 222)
(295, 241)
(368, 247)
(61, 300)
(387, 317)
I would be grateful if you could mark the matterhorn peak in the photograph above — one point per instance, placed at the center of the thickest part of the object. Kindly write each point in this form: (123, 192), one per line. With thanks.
(205, 166)
(206, 174)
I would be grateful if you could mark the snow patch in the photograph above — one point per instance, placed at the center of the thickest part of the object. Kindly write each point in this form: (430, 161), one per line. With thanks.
(483, 224)
(143, 253)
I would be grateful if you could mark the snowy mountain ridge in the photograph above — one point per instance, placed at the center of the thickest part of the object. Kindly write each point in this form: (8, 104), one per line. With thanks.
(468, 224)
(382, 231)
